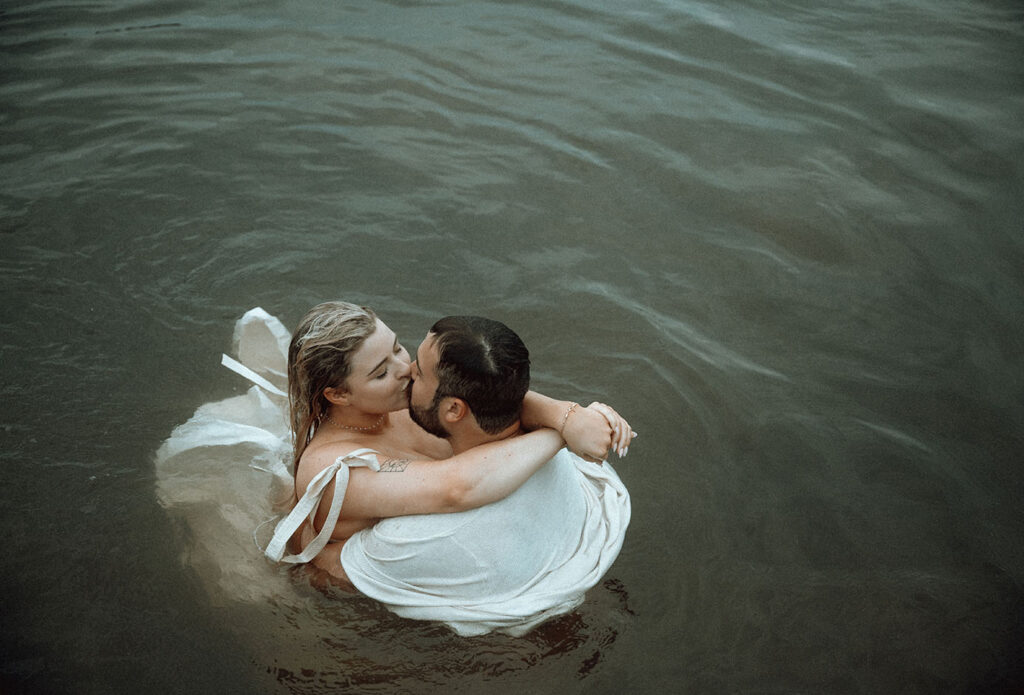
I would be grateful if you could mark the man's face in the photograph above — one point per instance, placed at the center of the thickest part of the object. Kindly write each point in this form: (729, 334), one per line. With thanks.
(424, 408)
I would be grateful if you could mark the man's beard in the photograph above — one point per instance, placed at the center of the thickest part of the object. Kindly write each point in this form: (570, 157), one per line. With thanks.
(429, 418)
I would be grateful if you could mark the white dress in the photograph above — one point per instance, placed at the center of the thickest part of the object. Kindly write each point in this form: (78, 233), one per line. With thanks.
(224, 475)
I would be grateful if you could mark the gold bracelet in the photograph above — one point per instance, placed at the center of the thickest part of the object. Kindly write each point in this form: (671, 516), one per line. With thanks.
(568, 412)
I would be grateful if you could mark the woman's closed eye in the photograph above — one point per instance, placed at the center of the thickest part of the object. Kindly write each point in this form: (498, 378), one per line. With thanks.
(399, 350)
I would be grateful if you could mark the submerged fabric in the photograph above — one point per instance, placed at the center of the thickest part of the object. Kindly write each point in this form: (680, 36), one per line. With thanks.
(224, 475)
(507, 566)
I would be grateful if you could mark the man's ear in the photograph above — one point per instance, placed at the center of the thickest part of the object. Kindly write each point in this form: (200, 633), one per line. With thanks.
(336, 395)
(453, 409)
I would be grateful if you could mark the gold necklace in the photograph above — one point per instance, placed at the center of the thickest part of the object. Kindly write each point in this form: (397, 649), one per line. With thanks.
(357, 429)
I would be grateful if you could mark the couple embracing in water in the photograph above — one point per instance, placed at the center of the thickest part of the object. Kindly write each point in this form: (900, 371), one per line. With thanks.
(441, 486)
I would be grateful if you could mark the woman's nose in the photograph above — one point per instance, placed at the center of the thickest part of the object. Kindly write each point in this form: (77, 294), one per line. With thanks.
(404, 370)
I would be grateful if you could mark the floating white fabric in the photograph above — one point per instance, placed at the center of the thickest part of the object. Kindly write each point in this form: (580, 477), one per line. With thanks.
(507, 566)
(240, 369)
(226, 471)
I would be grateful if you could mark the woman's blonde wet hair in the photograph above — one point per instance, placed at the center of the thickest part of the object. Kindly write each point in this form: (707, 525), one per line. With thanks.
(320, 357)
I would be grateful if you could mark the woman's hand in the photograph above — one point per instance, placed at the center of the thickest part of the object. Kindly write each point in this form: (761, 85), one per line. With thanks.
(590, 432)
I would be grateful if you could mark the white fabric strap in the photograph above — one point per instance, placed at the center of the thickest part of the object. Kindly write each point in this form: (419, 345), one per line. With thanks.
(307, 506)
(240, 369)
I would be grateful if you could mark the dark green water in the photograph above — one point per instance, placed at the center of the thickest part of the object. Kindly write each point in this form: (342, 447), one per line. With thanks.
(784, 239)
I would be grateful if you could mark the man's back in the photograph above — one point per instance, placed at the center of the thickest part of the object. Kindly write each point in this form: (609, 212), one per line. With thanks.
(505, 566)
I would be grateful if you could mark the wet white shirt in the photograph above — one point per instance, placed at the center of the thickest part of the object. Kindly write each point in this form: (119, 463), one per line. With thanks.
(506, 566)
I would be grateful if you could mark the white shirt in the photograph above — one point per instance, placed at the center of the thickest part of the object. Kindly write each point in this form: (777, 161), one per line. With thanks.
(506, 566)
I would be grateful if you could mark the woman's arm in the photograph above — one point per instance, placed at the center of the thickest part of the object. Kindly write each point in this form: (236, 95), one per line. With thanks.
(484, 474)
(589, 432)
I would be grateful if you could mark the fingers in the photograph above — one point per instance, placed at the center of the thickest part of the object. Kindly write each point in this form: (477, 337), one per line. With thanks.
(614, 422)
(622, 433)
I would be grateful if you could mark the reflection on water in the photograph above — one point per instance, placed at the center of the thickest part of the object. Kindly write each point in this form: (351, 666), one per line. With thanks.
(375, 648)
(785, 241)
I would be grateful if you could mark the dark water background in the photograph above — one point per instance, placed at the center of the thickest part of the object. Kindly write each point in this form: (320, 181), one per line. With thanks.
(784, 239)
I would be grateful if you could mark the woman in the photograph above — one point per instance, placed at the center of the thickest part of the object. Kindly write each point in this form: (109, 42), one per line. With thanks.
(348, 383)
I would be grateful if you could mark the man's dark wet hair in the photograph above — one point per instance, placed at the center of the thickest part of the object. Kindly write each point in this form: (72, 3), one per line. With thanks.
(484, 363)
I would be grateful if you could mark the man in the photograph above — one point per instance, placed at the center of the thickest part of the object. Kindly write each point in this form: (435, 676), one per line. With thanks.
(509, 565)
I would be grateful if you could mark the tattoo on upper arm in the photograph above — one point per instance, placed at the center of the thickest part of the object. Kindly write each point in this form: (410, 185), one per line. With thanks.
(394, 465)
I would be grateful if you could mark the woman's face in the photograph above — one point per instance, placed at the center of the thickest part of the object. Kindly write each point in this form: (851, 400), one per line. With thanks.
(379, 379)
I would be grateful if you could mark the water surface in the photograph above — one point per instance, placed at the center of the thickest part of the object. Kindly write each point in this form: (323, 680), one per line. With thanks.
(784, 239)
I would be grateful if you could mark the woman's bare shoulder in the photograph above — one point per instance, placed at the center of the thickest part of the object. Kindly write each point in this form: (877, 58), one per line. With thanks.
(320, 455)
